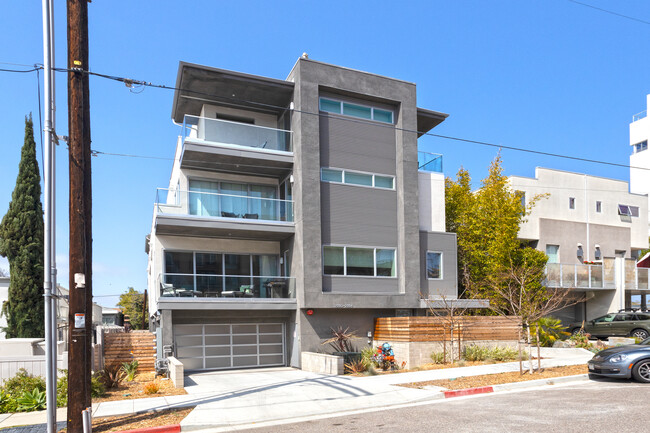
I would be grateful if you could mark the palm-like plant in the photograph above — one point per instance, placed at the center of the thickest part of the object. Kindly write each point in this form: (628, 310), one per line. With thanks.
(30, 401)
(130, 369)
(341, 340)
(549, 329)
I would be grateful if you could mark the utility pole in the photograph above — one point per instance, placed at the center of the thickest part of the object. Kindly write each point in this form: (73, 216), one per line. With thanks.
(80, 302)
(49, 250)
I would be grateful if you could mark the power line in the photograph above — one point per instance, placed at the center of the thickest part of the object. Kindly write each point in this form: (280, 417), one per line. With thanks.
(610, 12)
(130, 83)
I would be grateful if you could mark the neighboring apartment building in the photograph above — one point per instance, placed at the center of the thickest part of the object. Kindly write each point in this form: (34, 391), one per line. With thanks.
(640, 157)
(294, 206)
(582, 219)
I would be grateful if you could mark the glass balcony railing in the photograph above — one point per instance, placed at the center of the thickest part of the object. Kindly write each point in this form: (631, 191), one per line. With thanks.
(225, 132)
(594, 276)
(218, 205)
(430, 162)
(639, 116)
(226, 286)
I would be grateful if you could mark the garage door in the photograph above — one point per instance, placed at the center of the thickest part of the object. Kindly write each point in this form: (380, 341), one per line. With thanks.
(224, 346)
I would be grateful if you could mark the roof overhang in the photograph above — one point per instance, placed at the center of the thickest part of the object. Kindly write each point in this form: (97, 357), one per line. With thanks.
(429, 119)
(644, 262)
(197, 85)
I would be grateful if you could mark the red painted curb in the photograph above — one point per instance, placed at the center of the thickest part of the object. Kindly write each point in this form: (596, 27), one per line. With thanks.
(175, 428)
(468, 391)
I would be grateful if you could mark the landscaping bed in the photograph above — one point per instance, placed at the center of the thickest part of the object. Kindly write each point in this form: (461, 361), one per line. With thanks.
(141, 420)
(137, 388)
(500, 378)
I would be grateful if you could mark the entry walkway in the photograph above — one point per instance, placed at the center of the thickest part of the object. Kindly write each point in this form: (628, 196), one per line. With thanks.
(235, 398)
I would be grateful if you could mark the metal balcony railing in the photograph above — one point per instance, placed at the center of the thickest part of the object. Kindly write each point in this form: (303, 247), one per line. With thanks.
(218, 205)
(226, 286)
(430, 162)
(224, 132)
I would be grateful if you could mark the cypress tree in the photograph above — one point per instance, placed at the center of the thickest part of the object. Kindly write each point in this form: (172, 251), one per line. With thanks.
(21, 242)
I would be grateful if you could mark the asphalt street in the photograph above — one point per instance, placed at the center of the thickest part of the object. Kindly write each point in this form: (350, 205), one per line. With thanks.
(594, 406)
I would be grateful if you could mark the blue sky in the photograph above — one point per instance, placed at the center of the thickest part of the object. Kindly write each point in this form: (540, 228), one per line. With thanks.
(548, 75)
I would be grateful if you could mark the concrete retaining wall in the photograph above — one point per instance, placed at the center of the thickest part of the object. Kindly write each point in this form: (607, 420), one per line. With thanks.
(321, 363)
(176, 372)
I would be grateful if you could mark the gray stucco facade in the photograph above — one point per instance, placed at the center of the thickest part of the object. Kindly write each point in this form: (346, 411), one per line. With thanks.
(325, 214)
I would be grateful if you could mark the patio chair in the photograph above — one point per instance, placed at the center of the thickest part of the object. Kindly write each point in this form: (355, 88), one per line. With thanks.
(167, 289)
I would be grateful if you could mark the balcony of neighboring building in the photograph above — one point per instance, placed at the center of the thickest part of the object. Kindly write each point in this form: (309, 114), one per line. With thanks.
(597, 276)
(240, 212)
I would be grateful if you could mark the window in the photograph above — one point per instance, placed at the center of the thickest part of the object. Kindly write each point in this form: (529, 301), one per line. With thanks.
(350, 177)
(553, 253)
(355, 110)
(359, 261)
(434, 265)
(640, 147)
(631, 211)
(572, 203)
(599, 206)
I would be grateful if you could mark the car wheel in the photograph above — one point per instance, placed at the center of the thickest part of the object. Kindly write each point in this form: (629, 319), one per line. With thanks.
(575, 331)
(640, 333)
(641, 371)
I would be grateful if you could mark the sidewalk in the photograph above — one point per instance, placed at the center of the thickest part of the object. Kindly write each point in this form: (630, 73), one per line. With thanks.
(234, 398)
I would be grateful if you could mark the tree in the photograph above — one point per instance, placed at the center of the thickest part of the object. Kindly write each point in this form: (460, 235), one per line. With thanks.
(131, 302)
(21, 242)
(486, 223)
(521, 293)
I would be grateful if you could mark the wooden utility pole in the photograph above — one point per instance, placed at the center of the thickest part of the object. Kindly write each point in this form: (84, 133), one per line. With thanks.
(80, 302)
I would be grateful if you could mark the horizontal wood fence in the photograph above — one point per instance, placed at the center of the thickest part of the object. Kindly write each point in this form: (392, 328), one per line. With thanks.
(472, 328)
(129, 346)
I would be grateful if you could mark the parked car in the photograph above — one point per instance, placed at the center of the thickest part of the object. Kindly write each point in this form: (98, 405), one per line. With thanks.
(621, 324)
(623, 362)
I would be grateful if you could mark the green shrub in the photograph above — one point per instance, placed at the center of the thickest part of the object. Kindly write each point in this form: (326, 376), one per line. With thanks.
(481, 353)
(438, 358)
(14, 388)
(4, 400)
(130, 369)
(504, 354)
(367, 355)
(31, 401)
(550, 331)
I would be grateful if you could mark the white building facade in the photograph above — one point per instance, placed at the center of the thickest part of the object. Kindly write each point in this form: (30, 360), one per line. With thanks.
(640, 156)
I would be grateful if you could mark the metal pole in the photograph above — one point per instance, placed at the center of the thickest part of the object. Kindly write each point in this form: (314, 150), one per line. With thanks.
(47, 199)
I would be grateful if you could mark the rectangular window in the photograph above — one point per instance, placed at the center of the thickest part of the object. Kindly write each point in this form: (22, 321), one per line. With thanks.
(382, 115)
(333, 260)
(330, 106)
(358, 261)
(358, 178)
(384, 182)
(640, 147)
(385, 263)
(553, 253)
(634, 211)
(355, 110)
(599, 206)
(331, 175)
(434, 265)
(572, 203)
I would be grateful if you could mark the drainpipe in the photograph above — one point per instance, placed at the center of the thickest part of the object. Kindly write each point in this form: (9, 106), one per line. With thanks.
(587, 220)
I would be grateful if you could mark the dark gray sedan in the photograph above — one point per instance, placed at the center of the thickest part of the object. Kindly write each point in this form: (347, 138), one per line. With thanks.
(632, 361)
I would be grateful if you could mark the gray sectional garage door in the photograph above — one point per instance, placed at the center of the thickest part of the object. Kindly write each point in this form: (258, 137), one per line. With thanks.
(226, 346)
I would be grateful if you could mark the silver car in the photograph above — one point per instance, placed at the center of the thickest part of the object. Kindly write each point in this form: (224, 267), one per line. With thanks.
(632, 361)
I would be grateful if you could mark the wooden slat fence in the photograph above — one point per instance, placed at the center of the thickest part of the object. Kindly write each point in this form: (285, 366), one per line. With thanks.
(126, 347)
(473, 328)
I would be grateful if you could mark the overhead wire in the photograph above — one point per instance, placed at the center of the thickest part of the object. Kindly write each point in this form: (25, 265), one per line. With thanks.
(610, 12)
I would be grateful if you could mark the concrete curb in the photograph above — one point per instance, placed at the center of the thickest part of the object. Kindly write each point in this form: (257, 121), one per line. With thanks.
(174, 428)
(516, 385)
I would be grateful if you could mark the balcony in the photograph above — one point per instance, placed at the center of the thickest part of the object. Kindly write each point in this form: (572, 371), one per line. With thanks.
(226, 286)
(639, 116)
(594, 277)
(222, 145)
(431, 162)
(207, 214)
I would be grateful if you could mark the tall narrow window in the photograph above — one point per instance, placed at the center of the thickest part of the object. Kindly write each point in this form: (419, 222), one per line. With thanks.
(553, 253)
(572, 203)
(599, 206)
(434, 265)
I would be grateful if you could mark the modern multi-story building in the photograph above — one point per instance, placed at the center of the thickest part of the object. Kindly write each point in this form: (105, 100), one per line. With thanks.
(580, 221)
(294, 206)
(640, 157)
